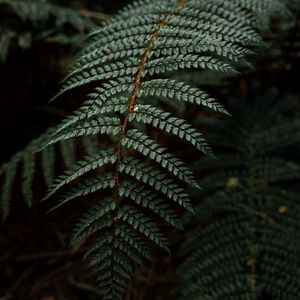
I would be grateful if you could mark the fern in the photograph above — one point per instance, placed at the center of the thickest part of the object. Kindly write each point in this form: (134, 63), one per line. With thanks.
(131, 61)
(245, 239)
(41, 11)
(28, 160)
(39, 19)
(287, 52)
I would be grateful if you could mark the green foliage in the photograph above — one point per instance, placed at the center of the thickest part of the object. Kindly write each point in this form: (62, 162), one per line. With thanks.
(244, 241)
(29, 160)
(132, 62)
(288, 45)
(25, 21)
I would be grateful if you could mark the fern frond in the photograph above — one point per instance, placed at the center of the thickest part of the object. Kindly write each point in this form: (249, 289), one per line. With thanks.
(147, 199)
(88, 186)
(48, 163)
(25, 159)
(42, 11)
(175, 90)
(86, 72)
(121, 247)
(30, 158)
(92, 126)
(99, 159)
(281, 136)
(40, 19)
(131, 60)
(149, 148)
(68, 152)
(94, 219)
(143, 225)
(155, 178)
(27, 177)
(9, 172)
(148, 114)
(248, 245)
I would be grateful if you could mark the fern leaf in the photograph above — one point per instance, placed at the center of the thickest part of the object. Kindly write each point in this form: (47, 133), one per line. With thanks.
(48, 161)
(27, 177)
(93, 220)
(10, 174)
(90, 163)
(173, 90)
(91, 127)
(87, 187)
(157, 179)
(68, 152)
(90, 144)
(251, 218)
(25, 21)
(157, 118)
(133, 239)
(131, 61)
(28, 160)
(147, 199)
(42, 11)
(144, 225)
(143, 144)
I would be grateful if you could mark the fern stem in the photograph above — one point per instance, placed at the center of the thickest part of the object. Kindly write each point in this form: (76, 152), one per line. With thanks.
(133, 99)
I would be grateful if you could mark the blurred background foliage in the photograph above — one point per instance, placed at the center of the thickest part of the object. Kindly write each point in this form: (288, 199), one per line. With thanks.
(35, 53)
